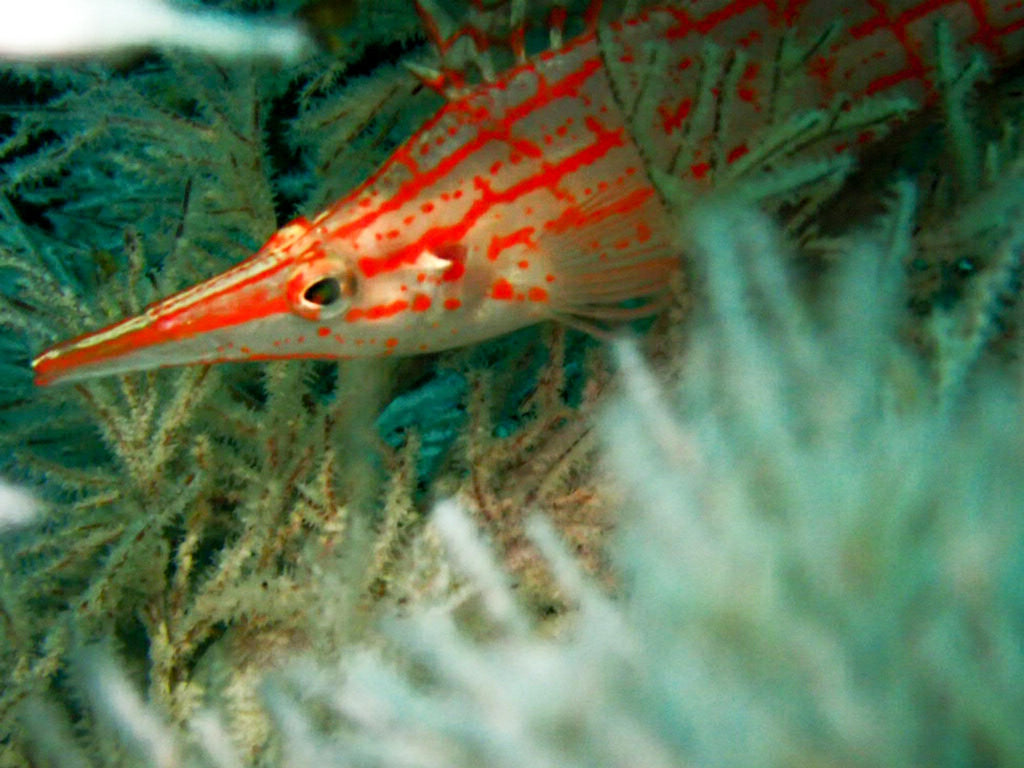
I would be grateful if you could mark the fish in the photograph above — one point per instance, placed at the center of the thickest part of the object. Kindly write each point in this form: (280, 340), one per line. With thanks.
(530, 196)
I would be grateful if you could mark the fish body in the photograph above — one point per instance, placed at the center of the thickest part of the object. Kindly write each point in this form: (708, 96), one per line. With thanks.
(527, 198)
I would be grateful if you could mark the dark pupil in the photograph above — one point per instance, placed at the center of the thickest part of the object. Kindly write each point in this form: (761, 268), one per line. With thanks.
(325, 291)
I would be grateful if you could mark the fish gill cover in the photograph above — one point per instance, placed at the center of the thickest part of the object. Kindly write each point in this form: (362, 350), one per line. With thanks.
(795, 536)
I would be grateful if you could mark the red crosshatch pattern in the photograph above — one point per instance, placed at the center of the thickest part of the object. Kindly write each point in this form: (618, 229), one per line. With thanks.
(528, 198)
(909, 31)
(879, 47)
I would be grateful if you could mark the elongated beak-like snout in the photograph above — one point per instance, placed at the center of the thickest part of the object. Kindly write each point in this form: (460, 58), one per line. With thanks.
(210, 322)
(234, 316)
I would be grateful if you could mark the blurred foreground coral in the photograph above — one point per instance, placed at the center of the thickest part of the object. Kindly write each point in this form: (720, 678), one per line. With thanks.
(819, 558)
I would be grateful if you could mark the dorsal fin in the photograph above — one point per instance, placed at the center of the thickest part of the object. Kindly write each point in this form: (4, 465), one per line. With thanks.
(466, 51)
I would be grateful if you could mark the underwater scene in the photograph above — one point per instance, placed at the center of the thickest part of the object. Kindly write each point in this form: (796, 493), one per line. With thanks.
(529, 383)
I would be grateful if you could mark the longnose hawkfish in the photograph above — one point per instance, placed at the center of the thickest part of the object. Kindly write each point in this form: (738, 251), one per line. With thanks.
(527, 197)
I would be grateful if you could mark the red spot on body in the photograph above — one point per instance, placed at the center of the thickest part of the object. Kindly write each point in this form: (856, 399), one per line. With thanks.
(643, 232)
(495, 167)
(537, 294)
(822, 68)
(672, 120)
(375, 312)
(427, 207)
(700, 170)
(421, 302)
(386, 310)
(323, 330)
(452, 303)
(502, 290)
(550, 278)
(524, 264)
(499, 243)
(736, 153)
(391, 342)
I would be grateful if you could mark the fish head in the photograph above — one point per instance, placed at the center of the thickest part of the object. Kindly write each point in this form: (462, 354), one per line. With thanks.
(288, 300)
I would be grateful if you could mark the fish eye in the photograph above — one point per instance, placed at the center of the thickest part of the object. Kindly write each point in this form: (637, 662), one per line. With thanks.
(321, 291)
